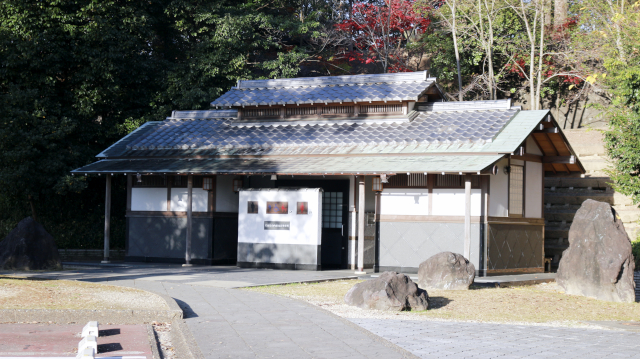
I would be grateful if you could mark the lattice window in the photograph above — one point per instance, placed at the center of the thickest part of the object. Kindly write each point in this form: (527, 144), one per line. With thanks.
(397, 181)
(455, 181)
(337, 110)
(516, 188)
(381, 108)
(403, 181)
(150, 181)
(261, 112)
(301, 111)
(332, 209)
(449, 181)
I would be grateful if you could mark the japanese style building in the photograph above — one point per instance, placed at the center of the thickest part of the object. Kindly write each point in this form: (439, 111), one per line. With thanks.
(339, 172)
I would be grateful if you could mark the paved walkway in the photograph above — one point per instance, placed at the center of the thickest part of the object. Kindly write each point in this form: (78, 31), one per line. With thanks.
(232, 323)
(479, 340)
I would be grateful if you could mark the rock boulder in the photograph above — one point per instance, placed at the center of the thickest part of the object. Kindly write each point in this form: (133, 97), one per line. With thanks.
(598, 262)
(29, 247)
(390, 291)
(446, 270)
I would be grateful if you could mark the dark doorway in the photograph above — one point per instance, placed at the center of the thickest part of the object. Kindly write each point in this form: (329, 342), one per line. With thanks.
(335, 219)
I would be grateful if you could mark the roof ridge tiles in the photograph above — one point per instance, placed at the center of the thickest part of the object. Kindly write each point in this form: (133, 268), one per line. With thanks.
(320, 81)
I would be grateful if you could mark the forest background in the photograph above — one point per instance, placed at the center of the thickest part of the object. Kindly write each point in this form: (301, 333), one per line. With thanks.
(75, 76)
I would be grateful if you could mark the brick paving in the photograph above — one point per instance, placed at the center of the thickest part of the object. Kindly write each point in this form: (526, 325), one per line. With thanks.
(435, 339)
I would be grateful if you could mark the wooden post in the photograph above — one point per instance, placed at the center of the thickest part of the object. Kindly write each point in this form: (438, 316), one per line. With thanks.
(361, 224)
(187, 255)
(107, 218)
(467, 217)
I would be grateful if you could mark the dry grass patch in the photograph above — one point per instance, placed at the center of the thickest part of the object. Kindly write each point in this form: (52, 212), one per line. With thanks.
(542, 303)
(23, 293)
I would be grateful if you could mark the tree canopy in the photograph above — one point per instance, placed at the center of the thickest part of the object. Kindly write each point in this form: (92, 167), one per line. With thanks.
(77, 76)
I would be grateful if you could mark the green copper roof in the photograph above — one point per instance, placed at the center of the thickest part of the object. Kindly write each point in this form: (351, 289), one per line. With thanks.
(297, 165)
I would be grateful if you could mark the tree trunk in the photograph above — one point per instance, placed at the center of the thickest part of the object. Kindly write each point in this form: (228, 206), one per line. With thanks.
(560, 8)
(452, 6)
(541, 52)
(33, 208)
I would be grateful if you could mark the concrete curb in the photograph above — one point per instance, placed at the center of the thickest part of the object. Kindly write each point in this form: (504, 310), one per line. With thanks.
(123, 316)
(153, 342)
(183, 341)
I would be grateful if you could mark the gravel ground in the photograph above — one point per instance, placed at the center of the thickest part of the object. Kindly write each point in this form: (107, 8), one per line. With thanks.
(543, 304)
(21, 293)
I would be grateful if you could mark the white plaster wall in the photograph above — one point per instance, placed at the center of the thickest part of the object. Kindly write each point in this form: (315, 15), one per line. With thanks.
(226, 199)
(405, 201)
(180, 198)
(499, 191)
(532, 147)
(149, 199)
(304, 228)
(450, 202)
(533, 190)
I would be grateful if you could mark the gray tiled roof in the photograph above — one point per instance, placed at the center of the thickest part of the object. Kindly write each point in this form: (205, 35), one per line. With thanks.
(224, 137)
(328, 89)
(298, 165)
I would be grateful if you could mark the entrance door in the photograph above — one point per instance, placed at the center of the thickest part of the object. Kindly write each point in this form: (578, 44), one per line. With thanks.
(335, 217)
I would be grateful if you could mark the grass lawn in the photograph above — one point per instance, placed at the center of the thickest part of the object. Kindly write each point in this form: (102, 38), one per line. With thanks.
(23, 293)
(542, 303)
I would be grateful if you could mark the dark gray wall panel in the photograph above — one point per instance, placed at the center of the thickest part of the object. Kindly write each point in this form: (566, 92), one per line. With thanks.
(515, 246)
(407, 244)
(166, 236)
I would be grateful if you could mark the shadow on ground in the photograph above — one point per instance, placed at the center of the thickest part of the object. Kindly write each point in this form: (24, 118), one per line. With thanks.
(187, 312)
(438, 302)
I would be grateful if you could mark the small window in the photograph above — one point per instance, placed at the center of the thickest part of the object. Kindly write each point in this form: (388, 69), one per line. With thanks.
(302, 208)
(277, 207)
(252, 207)
(516, 185)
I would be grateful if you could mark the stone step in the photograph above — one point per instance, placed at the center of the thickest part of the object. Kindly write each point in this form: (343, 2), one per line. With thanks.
(628, 216)
(586, 142)
(595, 163)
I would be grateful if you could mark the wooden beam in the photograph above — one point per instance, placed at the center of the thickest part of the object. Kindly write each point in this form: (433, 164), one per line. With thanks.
(107, 219)
(467, 217)
(361, 224)
(547, 130)
(528, 157)
(559, 159)
(187, 255)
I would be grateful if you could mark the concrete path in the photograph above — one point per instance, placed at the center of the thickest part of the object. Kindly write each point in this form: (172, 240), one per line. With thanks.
(234, 323)
(434, 339)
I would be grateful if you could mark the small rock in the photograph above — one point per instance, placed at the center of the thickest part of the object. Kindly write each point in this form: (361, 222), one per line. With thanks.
(390, 291)
(599, 262)
(29, 247)
(446, 270)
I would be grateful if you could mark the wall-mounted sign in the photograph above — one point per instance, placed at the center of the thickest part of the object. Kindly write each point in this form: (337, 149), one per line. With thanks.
(252, 207)
(277, 207)
(276, 226)
(302, 208)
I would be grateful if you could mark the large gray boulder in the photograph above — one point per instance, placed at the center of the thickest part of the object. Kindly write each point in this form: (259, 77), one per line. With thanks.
(598, 262)
(29, 247)
(446, 270)
(390, 291)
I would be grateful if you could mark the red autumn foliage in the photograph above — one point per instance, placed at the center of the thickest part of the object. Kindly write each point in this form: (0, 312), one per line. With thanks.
(379, 32)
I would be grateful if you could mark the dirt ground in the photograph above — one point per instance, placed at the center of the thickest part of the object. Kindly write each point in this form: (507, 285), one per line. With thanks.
(23, 293)
(542, 303)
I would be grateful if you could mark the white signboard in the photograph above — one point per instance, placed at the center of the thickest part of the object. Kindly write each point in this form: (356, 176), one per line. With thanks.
(281, 216)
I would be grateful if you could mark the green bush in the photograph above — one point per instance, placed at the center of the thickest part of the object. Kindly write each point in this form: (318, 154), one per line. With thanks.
(635, 249)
